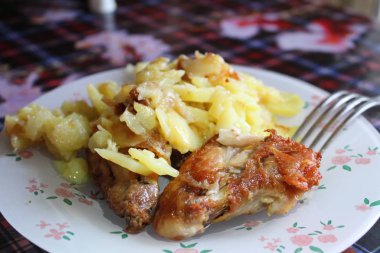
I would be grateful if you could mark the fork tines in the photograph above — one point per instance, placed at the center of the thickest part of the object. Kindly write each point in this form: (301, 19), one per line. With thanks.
(329, 117)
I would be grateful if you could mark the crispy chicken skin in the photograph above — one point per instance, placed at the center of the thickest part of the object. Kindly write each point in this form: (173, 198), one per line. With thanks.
(128, 194)
(219, 182)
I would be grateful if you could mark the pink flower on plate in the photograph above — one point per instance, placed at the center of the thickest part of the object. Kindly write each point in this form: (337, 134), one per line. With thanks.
(186, 250)
(252, 223)
(362, 207)
(25, 154)
(340, 151)
(340, 160)
(55, 234)
(43, 224)
(271, 246)
(292, 230)
(362, 160)
(32, 188)
(327, 238)
(371, 152)
(33, 181)
(17, 96)
(328, 227)
(44, 185)
(62, 226)
(263, 238)
(63, 192)
(65, 185)
(85, 201)
(301, 240)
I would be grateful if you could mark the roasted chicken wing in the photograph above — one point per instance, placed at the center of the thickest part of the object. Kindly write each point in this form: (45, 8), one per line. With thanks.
(128, 194)
(219, 182)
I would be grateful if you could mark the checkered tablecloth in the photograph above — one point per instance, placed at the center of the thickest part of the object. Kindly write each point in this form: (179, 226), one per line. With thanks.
(47, 43)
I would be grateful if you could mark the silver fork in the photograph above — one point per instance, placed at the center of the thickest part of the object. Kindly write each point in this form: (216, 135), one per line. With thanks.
(328, 118)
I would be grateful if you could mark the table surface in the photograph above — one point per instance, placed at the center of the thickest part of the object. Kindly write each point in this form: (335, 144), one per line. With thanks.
(46, 43)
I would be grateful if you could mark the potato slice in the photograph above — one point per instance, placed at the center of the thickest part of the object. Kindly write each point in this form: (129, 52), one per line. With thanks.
(124, 161)
(287, 105)
(158, 165)
(177, 131)
(191, 93)
(96, 99)
(69, 134)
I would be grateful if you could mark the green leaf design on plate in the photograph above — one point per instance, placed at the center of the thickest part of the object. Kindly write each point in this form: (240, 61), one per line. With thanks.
(346, 167)
(315, 249)
(331, 168)
(188, 246)
(67, 201)
(375, 203)
(366, 201)
(35, 193)
(66, 237)
(10, 154)
(18, 159)
(116, 232)
(322, 223)
(239, 228)
(70, 233)
(329, 222)
(205, 251)
(123, 236)
(52, 197)
(279, 250)
(340, 226)
(295, 224)
(249, 228)
(298, 250)
(282, 246)
(167, 251)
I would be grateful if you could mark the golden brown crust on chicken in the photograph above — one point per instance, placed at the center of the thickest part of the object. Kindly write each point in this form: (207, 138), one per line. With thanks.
(217, 183)
(128, 194)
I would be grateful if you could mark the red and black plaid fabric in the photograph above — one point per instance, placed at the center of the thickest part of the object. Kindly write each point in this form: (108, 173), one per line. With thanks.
(54, 39)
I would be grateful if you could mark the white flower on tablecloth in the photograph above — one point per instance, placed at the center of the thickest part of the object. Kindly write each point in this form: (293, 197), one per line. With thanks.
(322, 36)
(249, 26)
(16, 96)
(119, 46)
(54, 16)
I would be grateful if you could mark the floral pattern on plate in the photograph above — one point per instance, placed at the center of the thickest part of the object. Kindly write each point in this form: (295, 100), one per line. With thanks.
(56, 231)
(345, 158)
(187, 248)
(300, 239)
(66, 192)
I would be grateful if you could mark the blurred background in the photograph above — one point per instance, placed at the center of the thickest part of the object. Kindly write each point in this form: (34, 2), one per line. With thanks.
(369, 8)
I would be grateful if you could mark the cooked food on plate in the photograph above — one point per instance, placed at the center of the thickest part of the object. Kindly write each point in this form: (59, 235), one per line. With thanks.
(219, 182)
(195, 119)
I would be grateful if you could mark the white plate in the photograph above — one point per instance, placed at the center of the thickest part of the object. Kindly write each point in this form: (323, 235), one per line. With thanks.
(341, 210)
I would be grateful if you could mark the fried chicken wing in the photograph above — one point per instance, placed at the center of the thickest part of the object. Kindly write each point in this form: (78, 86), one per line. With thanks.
(219, 182)
(128, 194)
